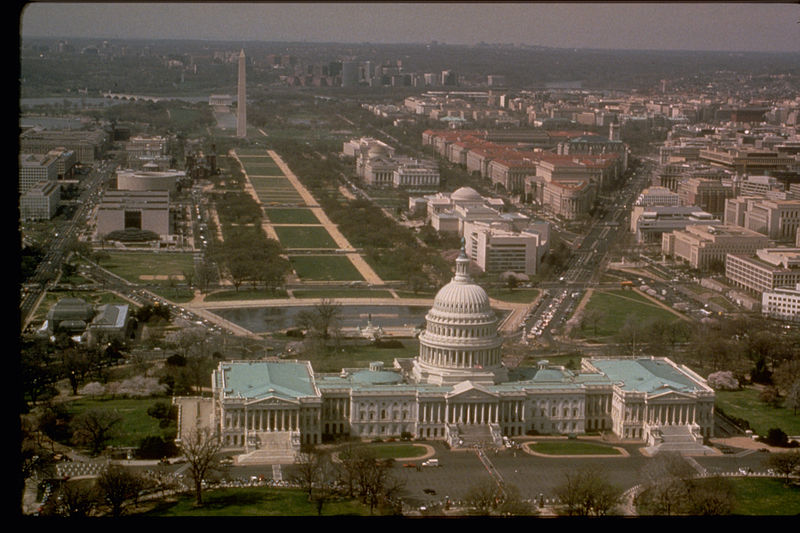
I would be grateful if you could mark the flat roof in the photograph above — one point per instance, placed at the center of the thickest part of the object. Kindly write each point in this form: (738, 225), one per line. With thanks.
(262, 379)
(649, 375)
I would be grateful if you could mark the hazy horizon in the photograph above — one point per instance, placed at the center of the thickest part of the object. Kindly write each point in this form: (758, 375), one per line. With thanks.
(723, 27)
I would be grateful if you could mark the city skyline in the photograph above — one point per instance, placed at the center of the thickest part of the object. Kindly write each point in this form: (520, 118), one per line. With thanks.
(732, 27)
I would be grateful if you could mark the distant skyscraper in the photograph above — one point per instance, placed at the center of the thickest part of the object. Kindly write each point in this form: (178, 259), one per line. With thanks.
(241, 120)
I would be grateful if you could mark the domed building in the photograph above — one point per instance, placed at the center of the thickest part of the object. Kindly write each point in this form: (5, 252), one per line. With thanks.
(456, 389)
(460, 341)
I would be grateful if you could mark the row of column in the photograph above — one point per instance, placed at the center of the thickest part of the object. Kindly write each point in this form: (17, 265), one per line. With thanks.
(472, 413)
(460, 359)
(263, 420)
(337, 409)
(672, 414)
(598, 405)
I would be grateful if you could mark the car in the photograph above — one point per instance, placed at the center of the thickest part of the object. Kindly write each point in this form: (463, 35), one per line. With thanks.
(409, 465)
(429, 491)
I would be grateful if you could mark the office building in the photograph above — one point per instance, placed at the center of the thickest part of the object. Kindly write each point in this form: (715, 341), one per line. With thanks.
(705, 246)
(766, 270)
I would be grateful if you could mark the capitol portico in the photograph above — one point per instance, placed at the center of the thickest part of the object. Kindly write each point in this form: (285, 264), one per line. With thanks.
(457, 390)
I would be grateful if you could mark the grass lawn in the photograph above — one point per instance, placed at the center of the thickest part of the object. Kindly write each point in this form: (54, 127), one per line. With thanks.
(765, 497)
(572, 447)
(245, 294)
(305, 237)
(175, 294)
(745, 404)
(325, 268)
(341, 293)
(361, 355)
(412, 294)
(517, 296)
(256, 501)
(616, 306)
(149, 267)
(136, 423)
(271, 182)
(291, 216)
(260, 153)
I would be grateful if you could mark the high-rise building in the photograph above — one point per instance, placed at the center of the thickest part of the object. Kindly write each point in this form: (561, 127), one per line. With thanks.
(241, 119)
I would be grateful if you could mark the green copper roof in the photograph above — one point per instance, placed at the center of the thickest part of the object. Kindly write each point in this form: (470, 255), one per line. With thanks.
(647, 375)
(260, 379)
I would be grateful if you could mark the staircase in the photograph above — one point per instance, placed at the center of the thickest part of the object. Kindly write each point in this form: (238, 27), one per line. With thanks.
(680, 439)
(274, 447)
(475, 435)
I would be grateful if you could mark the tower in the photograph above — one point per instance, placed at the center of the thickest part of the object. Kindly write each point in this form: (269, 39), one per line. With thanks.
(241, 119)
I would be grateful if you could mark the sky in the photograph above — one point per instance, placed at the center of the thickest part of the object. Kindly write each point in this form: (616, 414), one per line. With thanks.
(764, 27)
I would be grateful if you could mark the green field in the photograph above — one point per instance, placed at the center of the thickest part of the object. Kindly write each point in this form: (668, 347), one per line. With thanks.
(517, 296)
(135, 425)
(255, 501)
(244, 294)
(305, 237)
(616, 306)
(745, 404)
(261, 168)
(291, 215)
(572, 447)
(325, 268)
(175, 294)
(149, 267)
(341, 293)
(765, 497)
(361, 355)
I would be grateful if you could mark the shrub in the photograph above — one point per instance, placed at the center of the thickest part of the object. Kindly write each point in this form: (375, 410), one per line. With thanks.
(154, 447)
(777, 437)
(723, 380)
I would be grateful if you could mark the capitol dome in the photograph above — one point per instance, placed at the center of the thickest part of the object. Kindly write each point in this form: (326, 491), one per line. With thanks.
(460, 341)
(466, 194)
(462, 296)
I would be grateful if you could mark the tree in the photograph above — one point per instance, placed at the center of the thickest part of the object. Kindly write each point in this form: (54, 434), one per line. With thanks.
(793, 397)
(366, 476)
(587, 492)
(785, 463)
(770, 396)
(592, 317)
(72, 499)
(786, 374)
(94, 428)
(315, 474)
(118, 486)
(776, 437)
(76, 365)
(482, 497)
(200, 447)
(665, 489)
(713, 496)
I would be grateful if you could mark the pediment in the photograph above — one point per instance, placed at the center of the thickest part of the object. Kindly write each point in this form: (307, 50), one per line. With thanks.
(271, 401)
(468, 391)
(668, 396)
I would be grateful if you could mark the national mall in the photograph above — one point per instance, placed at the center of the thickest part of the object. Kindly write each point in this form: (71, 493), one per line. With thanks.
(457, 390)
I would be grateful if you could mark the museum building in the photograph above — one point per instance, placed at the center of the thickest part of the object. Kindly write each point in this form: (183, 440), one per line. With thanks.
(457, 390)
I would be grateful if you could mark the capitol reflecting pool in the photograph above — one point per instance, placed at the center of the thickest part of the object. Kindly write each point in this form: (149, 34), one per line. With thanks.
(269, 319)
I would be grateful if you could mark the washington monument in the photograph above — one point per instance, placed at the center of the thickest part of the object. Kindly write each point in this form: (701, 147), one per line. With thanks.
(241, 119)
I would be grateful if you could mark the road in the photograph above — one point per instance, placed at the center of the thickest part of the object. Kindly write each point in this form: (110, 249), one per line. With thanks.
(49, 268)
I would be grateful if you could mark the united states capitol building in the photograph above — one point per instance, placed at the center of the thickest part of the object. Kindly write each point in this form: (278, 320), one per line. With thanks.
(456, 390)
